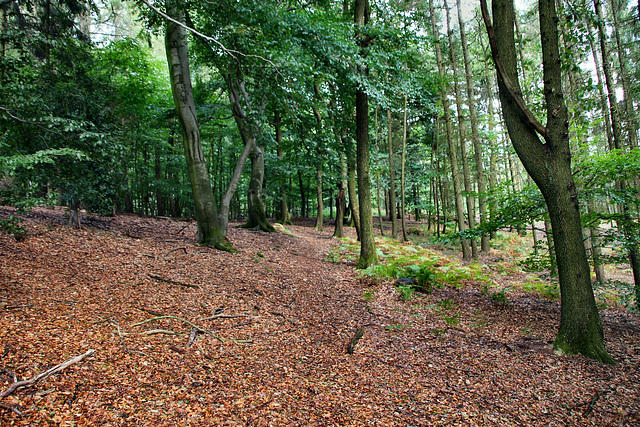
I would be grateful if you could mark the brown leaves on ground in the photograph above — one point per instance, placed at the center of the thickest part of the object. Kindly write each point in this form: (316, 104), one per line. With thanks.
(450, 358)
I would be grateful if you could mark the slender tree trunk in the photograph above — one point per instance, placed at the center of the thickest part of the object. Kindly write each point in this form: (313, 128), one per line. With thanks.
(632, 246)
(303, 196)
(392, 179)
(475, 134)
(402, 177)
(320, 212)
(368, 254)
(209, 232)
(549, 164)
(285, 215)
(464, 158)
(351, 187)
(453, 157)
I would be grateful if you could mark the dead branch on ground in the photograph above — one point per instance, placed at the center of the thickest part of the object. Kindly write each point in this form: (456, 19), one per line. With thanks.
(31, 382)
(173, 282)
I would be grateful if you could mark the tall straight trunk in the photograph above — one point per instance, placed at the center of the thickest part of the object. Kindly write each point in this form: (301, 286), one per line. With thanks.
(209, 232)
(392, 179)
(624, 225)
(464, 158)
(158, 177)
(475, 134)
(320, 211)
(548, 161)
(403, 188)
(379, 206)
(351, 187)
(303, 196)
(341, 197)
(285, 215)
(368, 254)
(604, 105)
(453, 157)
(493, 156)
(629, 110)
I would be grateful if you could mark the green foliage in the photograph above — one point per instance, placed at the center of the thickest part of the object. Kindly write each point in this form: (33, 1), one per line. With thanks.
(500, 297)
(13, 225)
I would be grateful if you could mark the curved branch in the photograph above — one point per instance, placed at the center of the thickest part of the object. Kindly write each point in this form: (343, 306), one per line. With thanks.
(512, 89)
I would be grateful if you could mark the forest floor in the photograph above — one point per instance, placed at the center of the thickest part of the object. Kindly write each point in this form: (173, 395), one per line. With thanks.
(259, 338)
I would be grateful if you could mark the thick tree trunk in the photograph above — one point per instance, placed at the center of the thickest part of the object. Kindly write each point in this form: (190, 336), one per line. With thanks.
(549, 164)
(368, 254)
(453, 157)
(209, 232)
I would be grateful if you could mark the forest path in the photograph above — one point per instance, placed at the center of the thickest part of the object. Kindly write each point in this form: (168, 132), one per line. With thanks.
(453, 357)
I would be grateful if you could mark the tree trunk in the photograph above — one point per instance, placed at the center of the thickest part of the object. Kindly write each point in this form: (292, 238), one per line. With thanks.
(464, 158)
(257, 214)
(549, 164)
(209, 232)
(630, 240)
(475, 135)
(351, 187)
(285, 215)
(368, 254)
(392, 179)
(402, 177)
(320, 211)
(303, 196)
(453, 157)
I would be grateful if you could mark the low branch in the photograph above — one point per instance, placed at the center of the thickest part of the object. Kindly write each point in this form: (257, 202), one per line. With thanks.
(44, 375)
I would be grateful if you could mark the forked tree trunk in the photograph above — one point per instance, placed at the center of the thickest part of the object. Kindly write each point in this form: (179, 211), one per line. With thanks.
(209, 232)
(549, 164)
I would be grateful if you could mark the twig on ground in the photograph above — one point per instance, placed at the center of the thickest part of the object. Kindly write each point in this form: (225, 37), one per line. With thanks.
(44, 375)
(592, 403)
(184, 249)
(193, 325)
(161, 331)
(173, 282)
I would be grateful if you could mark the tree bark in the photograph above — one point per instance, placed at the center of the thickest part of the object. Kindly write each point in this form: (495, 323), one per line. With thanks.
(368, 254)
(402, 177)
(285, 215)
(209, 232)
(320, 212)
(475, 135)
(392, 179)
(453, 157)
(351, 187)
(549, 164)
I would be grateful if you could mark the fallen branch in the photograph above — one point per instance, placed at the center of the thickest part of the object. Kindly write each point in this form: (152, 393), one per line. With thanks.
(173, 282)
(592, 403)
(226, 316)
(46, 374)
(194, 326)
(184, 249)
(161, 331)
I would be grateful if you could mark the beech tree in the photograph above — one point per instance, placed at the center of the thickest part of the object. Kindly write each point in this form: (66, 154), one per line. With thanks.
(545, 153)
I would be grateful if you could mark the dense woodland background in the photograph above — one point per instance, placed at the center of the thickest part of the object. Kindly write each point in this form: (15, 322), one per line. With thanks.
(87, 118)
